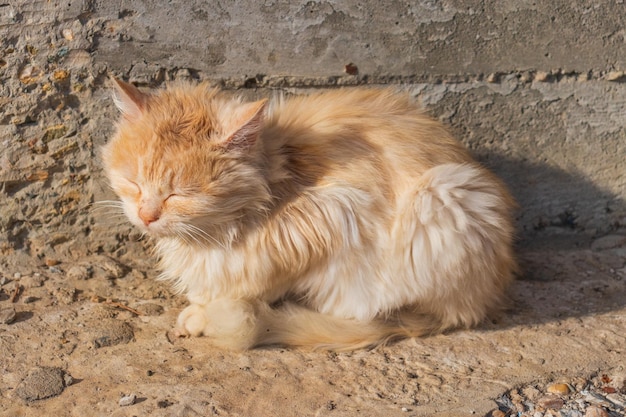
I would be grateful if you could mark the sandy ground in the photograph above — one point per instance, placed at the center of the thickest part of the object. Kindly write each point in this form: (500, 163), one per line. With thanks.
(93, 334)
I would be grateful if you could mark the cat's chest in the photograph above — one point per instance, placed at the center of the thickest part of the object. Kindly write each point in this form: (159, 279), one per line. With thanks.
(211, 272)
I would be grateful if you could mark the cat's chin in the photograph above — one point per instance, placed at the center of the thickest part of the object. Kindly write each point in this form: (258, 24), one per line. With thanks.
(153, 230)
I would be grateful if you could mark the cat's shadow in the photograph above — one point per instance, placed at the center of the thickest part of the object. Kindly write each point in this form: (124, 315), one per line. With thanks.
(572, 258)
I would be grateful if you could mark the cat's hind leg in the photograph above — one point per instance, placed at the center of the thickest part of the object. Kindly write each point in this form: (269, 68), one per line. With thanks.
(455, 236)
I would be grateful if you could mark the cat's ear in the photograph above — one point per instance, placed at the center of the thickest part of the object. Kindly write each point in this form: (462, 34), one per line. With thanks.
(248, 126)
(129, 99)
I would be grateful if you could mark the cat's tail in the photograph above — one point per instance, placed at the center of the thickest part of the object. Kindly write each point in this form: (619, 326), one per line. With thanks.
(239, 324)
(295, 325)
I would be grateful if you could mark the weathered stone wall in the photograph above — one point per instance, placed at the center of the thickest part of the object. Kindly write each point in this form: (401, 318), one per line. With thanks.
(535, 89)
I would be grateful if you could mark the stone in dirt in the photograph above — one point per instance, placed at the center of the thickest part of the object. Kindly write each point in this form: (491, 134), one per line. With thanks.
(595, 411)
(111, 332)
(80, 272)
(127, 400)
(550, 402)
(561, 389)
(43, 382)
(608, 242)
(7, 315)
(150, 309)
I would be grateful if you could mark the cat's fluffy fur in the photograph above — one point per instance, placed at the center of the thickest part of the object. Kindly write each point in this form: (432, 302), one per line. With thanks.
(339, 219)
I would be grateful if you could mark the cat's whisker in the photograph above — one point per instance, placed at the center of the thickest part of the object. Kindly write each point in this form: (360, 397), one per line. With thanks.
(98, 206)
(114, 202)
(188, 237)
(116, 210)
(192, 233)
(198, 235)
(109, 215)
(203, 233)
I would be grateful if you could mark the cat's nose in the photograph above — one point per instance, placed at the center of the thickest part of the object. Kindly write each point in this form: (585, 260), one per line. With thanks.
(148, 216)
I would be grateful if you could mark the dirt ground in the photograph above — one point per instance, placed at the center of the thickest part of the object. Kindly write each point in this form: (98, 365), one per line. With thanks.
(93, 335)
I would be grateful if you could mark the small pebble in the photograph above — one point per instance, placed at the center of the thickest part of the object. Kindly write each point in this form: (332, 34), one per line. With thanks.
(405, 409)
(127, 400)
(351, 69)
(65, 295)
(7, 315)
(493, 77)
(68, 34)
(112, 269)
(561, 389)
(164, 403)
(149, 309)
(67, 379)
(51, 262)
(17, 275)
(550, 402)
(595, 411)
(60, 75)
(525, 77)
(541, 76)
(615, 76)
(79, 272)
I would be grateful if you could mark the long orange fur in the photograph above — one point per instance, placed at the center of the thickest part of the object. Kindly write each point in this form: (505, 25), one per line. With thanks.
(340, 219)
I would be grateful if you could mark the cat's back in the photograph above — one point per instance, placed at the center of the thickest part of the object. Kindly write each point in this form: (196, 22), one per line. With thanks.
(380, 124)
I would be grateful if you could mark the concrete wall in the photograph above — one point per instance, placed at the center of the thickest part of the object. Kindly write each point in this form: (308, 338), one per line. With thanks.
(535, 89)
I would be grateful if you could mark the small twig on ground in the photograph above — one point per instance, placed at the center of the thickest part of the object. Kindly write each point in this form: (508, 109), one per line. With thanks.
(98, 299)
(122, 306)
(16, 293)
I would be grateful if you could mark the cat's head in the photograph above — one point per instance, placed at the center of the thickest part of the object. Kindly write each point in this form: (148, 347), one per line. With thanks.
(186, 161)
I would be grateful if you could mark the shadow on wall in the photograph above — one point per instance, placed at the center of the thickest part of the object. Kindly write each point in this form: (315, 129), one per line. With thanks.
(571, 246)
(554, 203)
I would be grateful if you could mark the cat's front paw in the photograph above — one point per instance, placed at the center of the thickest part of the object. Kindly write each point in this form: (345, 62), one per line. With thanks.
(192, 321)
(231, 324)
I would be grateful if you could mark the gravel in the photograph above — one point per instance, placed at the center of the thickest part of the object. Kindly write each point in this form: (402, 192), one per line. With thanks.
(603, 395)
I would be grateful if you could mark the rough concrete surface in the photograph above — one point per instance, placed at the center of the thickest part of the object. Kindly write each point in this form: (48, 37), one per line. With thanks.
(535, 89)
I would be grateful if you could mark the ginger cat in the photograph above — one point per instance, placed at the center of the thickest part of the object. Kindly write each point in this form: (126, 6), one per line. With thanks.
(338, 220)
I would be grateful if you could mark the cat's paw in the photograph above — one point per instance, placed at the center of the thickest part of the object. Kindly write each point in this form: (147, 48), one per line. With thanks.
(231, 324)
(192, 321)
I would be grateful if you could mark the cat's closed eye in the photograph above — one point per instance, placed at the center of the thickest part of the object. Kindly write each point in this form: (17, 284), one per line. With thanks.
(129, 187)
(172, 198)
